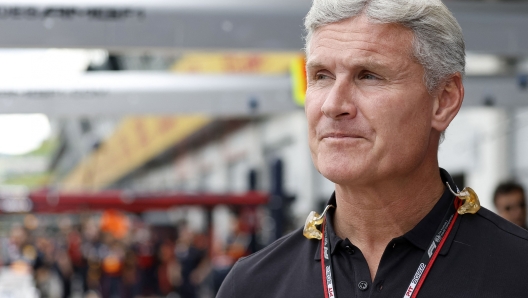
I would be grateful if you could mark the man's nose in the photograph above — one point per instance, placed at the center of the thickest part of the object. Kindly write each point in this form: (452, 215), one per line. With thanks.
(339, 102)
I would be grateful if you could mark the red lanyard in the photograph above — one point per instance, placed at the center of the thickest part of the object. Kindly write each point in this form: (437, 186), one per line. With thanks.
(326, 264)
(426, 262)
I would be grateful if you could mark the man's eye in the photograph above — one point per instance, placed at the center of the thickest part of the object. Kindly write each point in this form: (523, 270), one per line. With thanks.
(368, 76)
(323, 75)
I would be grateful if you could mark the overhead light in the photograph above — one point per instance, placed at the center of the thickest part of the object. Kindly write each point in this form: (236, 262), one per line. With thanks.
(47, 62)
(23, 133)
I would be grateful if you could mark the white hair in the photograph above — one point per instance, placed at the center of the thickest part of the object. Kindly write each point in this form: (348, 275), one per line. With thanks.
(438, 43)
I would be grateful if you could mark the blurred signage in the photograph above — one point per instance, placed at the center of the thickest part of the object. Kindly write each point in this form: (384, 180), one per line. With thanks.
(241, 62)
(299, 82)
(135, 141)
(292, 63)
(68, 12)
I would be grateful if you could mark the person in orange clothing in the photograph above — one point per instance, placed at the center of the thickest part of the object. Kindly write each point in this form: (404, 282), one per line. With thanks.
(115, 223)
(112, 266)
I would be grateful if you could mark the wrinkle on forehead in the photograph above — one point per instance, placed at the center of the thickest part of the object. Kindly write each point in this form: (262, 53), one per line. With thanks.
(376, 31)
(364, 43)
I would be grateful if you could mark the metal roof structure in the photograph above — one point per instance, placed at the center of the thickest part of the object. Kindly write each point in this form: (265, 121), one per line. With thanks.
(125, 93)
(489, 27)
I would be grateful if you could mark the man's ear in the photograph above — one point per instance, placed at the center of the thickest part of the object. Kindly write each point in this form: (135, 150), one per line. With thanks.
(448, 101)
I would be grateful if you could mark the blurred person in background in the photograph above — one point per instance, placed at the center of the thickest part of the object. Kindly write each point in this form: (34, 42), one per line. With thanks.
(34, 251)
(169, 270)
(92, 251)
(510, 202)
(193, 261)
(64, 269)
(238, 245)
(112, 262)
(114, 226)
(46, 278)
(145, 250)
(68, 259)
(131, 281)
(12, 246)
(92, 294)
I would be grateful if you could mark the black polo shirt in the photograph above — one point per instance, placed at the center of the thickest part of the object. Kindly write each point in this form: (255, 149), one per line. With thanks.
(484, 256)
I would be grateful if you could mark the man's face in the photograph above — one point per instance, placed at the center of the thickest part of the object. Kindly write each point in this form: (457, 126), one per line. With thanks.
(369, 112)
(512, 207)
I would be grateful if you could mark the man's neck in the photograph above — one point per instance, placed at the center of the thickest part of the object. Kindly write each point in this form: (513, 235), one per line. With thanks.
(370, 217)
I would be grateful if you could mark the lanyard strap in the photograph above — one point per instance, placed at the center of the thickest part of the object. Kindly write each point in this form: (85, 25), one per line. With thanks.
(426, 262)
(429, 257)
(326, 264)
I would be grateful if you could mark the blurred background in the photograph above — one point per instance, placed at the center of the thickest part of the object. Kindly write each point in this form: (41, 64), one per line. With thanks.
(145, 146)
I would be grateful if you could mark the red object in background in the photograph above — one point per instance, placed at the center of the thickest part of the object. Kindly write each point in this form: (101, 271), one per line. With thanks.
(74, 248)
(145, 260)
(52, 202)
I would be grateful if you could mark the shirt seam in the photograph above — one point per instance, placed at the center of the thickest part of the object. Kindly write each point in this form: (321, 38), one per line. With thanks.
(501, 228)
(255, 254)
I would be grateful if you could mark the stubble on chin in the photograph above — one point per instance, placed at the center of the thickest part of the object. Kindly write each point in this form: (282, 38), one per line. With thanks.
(341, 167)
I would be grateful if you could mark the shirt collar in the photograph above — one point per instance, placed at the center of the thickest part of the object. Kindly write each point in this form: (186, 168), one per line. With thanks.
(334, 239)
(422, 234)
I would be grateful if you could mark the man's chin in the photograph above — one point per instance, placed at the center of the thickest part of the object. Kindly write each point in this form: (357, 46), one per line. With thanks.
(343, 176)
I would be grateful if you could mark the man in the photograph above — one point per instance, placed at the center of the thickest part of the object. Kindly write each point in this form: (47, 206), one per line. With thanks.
(510, 202)
(384, 82)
